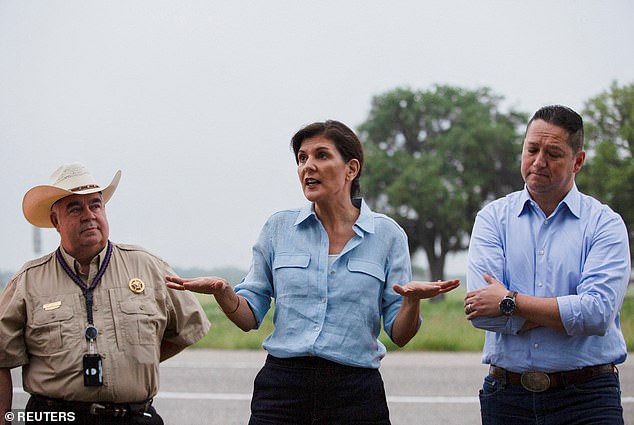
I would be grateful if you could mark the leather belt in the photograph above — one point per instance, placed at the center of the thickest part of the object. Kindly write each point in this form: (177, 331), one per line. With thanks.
(540, 381)
(98, 408)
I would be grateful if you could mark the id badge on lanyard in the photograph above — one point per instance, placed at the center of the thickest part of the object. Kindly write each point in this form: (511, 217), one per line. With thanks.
(92, 364)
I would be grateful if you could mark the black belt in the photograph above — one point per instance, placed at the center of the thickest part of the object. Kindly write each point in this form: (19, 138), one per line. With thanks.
(541, 381)
(308, 362)
(97, 408)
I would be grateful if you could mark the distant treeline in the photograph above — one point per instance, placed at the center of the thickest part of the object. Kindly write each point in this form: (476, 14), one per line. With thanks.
(232, 274)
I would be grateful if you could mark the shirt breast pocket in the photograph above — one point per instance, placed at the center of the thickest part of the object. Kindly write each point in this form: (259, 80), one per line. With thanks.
(290, 274)
(141, 326)
(53, 329)
(369, 279)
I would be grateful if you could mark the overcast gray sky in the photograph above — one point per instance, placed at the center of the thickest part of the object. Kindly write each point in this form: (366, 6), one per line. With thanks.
(196, 101)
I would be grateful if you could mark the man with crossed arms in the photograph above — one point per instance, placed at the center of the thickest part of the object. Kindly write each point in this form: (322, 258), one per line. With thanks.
(548, 270)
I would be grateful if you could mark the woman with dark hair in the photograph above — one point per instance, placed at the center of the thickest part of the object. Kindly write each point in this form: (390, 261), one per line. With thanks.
(336, 270)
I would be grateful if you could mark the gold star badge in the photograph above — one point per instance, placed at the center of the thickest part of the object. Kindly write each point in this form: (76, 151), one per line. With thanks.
(136, 285)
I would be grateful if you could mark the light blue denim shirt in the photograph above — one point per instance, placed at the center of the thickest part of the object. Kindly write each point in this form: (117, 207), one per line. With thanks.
(331, 311)
(579, 255)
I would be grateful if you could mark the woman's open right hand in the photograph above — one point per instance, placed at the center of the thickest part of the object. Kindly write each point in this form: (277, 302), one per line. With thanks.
(204, 285)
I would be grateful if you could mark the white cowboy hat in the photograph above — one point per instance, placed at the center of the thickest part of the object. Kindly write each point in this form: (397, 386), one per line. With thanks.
(69, 179)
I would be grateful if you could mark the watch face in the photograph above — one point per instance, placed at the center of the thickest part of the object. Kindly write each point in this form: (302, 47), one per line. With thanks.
(507, 306)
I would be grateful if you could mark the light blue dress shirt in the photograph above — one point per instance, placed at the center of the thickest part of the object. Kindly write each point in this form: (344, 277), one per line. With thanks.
(334, 310)
(579, 255)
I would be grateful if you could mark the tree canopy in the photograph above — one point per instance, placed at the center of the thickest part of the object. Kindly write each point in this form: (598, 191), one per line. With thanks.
(608, 174)
(434, 158)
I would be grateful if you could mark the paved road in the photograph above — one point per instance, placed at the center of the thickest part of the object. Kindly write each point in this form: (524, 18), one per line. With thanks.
(213, 387)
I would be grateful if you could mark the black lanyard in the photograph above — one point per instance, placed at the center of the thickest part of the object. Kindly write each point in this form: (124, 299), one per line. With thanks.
(91, 331)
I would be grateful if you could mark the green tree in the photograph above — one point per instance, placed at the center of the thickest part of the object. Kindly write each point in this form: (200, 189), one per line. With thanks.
(433, 158)
(608, 173)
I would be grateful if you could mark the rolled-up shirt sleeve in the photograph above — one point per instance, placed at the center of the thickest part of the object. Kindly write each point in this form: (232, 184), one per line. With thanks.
(257, 286)
(604, 279)
(398, 272)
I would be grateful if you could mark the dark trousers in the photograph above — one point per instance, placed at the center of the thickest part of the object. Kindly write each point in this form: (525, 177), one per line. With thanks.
(311, 390)
(41, 409)
(596, 401)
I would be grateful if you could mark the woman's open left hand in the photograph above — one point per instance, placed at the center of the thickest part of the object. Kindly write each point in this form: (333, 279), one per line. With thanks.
(423, 290)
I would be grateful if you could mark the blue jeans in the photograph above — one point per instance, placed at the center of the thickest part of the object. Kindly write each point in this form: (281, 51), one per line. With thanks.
(596, 401)
(314, 391)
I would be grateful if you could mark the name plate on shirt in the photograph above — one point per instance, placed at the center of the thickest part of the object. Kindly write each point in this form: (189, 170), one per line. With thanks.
(52, 306)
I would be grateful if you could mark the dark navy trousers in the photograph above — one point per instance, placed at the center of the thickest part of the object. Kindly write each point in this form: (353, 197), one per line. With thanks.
(314, 391)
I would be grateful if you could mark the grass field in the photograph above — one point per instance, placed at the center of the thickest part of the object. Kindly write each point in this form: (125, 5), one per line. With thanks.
(444, 327)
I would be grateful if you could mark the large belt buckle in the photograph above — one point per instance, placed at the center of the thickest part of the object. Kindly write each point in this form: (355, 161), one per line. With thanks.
(536, 382)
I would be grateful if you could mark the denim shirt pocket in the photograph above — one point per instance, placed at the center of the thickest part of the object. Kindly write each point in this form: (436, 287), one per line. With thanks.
(367, 280)
(291, 276)
(367, 267)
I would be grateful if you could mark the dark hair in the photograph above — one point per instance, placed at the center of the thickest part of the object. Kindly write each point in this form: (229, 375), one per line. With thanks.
(563, 117)
(346, 142)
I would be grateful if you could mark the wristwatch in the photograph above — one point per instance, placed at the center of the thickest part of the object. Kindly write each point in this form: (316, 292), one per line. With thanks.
(507, 305)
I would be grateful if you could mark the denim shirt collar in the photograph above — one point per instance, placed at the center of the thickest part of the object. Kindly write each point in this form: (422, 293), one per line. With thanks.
(365, 221)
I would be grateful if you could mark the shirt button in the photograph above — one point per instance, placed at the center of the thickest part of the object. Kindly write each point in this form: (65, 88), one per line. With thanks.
(540, 284)
(546, 221)
(316, 328)
(541, 252)
(535, 345)
(323, 300)
(332, 272)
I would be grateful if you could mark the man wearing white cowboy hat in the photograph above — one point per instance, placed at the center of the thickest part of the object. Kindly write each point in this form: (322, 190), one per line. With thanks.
(90, 321)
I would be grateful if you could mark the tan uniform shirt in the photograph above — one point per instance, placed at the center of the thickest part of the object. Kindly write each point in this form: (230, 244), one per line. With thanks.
(43, 319)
